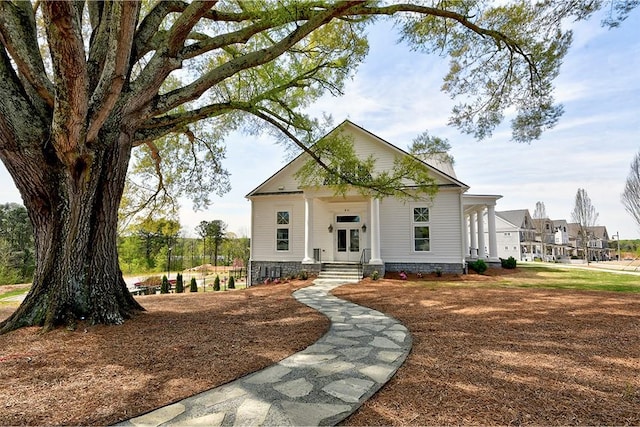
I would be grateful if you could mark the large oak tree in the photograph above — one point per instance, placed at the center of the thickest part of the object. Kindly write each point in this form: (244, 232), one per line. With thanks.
(84, 86)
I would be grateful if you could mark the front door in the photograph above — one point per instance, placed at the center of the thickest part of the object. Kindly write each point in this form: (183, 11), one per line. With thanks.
(348, 238)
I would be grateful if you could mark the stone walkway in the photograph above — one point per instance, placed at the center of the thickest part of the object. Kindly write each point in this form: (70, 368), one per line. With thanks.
(320, 385)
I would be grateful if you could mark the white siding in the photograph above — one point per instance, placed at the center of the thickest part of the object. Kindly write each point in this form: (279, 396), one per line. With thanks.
(396, 238)
(263, 229)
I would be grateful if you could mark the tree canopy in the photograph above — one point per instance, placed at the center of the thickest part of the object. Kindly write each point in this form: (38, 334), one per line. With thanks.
(90, 91)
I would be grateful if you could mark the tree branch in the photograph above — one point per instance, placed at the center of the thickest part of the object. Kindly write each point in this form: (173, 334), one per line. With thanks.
(18, 36)
(70, 70)
(198, 87)
(114, 73)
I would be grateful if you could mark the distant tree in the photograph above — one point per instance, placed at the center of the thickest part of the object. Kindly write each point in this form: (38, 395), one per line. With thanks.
(631, 194)
(235, 248)
(18, 251)
(540, 223)
(214, 233)
(193, 287)
(154, 235)
(585, 215)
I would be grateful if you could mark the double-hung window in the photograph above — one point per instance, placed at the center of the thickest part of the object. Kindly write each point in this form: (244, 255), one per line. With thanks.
(421, 229)
(282, 230)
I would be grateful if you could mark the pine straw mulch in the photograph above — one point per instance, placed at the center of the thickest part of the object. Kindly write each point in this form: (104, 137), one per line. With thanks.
(485, 355)
(482, 355)
(182, 345)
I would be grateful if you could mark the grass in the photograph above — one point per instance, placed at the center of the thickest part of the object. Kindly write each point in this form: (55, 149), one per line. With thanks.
(12, 292)
(549, 276)
(574, 278)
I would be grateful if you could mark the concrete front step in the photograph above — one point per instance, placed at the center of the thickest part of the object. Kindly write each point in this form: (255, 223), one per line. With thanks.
(340, 271)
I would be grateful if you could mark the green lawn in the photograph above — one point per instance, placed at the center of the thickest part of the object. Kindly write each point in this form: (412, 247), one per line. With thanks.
(551, 276)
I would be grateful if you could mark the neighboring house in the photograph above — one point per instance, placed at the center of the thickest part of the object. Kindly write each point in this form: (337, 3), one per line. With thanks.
(597, 242)
(545, 238)
(296, 228)
(515, 235)
(562, 248)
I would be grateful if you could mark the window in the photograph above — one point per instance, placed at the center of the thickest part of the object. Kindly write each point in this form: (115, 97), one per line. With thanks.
(420, 214)
(282, 239)
(421, 232)
(282, 233)
(282, 217)
(347, 218)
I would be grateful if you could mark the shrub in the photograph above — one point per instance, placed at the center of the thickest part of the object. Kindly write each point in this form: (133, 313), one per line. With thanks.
(303, 275)
(193, 287)
(164, 287)
(438, 272)
(509, 263)
(179, 284)
(479, 266)
(232, 283)
(216, 283)
(375, 275)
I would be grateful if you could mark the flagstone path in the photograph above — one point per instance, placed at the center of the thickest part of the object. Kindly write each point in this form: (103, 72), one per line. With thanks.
(320, 385)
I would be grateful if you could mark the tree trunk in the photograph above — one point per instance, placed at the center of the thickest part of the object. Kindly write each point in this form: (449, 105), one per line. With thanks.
(75, 216)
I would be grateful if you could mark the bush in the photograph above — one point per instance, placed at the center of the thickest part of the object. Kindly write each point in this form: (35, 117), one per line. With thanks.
(179, 284)
(375, 275)
(438, 272)
(164, 288)
(193, 287)
(232, 283)
(479, 266)
(509, 263)
(303, 275)
(216, 283)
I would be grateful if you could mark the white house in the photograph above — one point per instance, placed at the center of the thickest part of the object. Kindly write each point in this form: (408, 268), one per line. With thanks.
(515, 234)
(296, 228)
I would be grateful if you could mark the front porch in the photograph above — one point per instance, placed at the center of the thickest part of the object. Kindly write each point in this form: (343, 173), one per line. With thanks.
(476, 208)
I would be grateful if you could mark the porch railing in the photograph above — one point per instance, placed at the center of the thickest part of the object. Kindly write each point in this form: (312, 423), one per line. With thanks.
(365, 256)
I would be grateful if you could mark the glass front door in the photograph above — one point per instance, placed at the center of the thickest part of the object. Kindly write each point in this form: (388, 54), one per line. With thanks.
(348, 244)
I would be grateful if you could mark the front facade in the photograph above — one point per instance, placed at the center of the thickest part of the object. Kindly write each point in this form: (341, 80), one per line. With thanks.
(516, 235)
(597, 243)
(296, 228)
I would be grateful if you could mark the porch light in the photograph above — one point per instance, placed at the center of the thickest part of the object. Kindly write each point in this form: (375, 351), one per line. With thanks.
(364, 228)
(330, 228)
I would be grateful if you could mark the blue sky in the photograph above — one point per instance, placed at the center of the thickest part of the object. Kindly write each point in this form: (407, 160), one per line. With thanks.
(395, 94)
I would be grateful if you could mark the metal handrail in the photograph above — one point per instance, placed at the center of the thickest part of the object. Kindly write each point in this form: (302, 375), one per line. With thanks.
(363, 258)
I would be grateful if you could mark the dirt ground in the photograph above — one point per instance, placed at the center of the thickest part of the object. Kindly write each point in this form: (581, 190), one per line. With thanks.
(482, 355)
(492, 356)
(183, 344)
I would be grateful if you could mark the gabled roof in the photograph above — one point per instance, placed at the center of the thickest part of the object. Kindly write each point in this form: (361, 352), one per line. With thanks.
(596, 231)
(517, 217)
(288, 168)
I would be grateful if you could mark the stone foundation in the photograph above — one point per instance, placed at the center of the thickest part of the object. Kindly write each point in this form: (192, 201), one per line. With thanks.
(261, 270)
(424, 268)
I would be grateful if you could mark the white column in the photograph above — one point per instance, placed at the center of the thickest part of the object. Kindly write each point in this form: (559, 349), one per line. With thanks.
(481, 251)
(375, 232)
(308, 230)
(473, 234)
(493, 244)
(465, 236)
